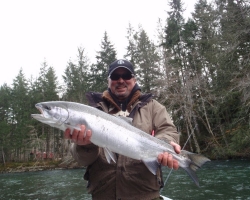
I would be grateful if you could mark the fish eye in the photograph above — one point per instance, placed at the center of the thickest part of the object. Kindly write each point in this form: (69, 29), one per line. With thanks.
(47, 107)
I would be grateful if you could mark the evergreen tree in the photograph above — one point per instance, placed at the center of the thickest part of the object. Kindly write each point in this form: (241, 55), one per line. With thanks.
(203, 59)
(180, 94)
(77, 78)
(99, 71)
(20, 115)
(5, 126)
(233, 73)
(144, 55)
(47, 84)
(45, 88)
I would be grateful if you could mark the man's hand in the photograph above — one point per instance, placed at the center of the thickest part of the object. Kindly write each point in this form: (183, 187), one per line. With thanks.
(166, 159)
(79, 137)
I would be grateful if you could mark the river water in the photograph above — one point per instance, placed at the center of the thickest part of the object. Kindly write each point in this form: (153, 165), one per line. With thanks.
(218, 180)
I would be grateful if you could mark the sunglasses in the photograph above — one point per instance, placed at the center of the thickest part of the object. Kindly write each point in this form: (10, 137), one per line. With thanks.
(116, 77)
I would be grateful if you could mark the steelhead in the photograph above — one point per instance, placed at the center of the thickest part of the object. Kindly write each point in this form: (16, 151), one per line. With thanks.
(115, 135)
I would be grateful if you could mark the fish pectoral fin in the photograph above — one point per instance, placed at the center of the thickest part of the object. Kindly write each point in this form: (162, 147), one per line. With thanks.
(152, 165)
(109, 155)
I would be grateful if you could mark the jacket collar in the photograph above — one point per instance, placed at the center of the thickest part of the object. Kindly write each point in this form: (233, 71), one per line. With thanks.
(104, 101)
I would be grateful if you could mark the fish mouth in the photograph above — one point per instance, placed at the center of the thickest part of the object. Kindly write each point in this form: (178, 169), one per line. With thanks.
(39, 107)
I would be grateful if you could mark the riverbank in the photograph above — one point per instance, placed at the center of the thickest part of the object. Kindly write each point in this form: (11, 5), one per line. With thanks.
(17, 167)
(69, 163)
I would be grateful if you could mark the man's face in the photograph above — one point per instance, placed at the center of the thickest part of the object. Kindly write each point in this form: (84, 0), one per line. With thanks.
(121, 88)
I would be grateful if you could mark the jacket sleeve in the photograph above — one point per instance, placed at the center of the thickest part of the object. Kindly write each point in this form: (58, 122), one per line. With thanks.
(163, 125)
(84, 155)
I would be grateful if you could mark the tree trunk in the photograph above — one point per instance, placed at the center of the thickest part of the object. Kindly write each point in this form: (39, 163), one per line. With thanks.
(3, 157)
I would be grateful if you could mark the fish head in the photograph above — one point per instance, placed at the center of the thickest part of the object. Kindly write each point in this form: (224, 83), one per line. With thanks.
(52, 112)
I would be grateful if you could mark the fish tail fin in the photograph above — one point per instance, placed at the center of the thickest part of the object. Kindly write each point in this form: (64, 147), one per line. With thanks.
(197, 160)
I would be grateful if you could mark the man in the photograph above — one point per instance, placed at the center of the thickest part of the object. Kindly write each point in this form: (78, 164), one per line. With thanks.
(127, 178)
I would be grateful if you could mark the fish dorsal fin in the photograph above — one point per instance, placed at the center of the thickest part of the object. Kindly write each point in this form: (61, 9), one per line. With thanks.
(152, 165)
(109, 155)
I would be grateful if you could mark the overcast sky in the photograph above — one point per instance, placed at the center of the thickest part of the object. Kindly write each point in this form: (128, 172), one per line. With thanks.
(36, 30)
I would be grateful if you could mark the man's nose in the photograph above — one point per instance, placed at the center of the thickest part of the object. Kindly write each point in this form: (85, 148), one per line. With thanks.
(120, 80)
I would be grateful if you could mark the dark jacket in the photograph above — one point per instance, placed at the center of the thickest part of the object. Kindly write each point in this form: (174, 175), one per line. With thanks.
(128, 178)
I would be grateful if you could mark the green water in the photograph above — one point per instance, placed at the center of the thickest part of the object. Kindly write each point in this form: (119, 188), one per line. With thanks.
(218, 180)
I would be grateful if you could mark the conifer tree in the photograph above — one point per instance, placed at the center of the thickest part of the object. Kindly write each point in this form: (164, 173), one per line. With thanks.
(180, 74)
(45, 88)
(233, 72)
(144, 55)
(77, 78)
(20, 114)
(99, 71)
(5, 126)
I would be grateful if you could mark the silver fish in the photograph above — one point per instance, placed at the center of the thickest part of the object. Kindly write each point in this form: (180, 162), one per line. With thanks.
(115, 135)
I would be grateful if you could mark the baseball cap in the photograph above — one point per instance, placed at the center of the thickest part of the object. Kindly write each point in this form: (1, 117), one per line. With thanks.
(121, 63)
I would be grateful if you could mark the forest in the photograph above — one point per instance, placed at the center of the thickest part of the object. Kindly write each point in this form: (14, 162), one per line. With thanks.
(198, 68)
